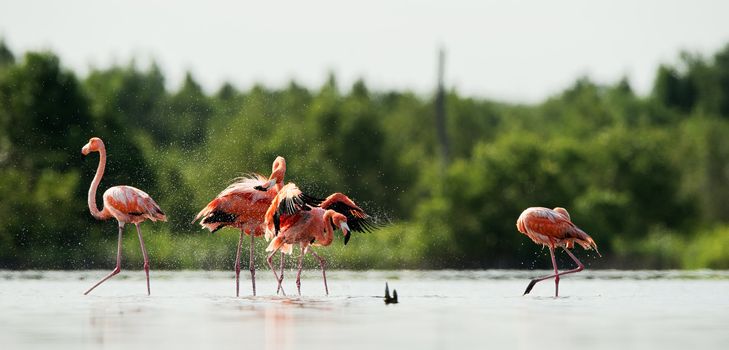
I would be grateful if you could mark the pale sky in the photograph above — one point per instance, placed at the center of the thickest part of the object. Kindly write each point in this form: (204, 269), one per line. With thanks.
(520, 51)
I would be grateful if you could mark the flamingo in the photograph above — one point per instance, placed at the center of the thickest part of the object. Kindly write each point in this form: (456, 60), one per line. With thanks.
(242, 205)
(126, 204)
(294, 217)
(554, 228)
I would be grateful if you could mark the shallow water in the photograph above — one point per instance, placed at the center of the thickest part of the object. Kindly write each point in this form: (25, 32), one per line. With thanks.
(437, 310)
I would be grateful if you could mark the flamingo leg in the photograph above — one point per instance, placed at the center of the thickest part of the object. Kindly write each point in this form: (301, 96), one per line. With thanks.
(144, 254)
(580, 266)
(280, 281)
(323, 265)
(298, 273)
(252, 264)
(236, 267)
(556, 275)
(118, 261)
(269, 259)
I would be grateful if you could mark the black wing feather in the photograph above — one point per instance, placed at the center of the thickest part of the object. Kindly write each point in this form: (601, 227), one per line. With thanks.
(357, 220)
(219, 216)
(291, 206)
(277, 222)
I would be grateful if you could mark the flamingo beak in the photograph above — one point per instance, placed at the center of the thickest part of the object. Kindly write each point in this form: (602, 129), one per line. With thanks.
(266, 186)
(86, 150)
(345, 230)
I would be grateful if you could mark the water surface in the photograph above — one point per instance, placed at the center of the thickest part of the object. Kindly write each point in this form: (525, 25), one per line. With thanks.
(437, 310)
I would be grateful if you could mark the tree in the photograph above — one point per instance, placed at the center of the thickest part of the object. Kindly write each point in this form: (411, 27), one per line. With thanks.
(48, 121)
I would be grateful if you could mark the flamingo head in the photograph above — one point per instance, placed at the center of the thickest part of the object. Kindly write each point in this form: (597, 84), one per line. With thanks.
(94, 145)
(278, 170)
(340, 221)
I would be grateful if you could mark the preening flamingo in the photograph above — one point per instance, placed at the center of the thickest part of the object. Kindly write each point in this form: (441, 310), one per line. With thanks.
(242, 205)
(128, 205)
(554, 228)
(294, 217)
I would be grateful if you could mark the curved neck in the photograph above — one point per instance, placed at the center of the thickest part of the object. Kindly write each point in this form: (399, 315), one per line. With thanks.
(95, 184)
(277, 175)
(328, 231)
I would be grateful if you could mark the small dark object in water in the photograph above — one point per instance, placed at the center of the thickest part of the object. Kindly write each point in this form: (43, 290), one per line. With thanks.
(390, 299)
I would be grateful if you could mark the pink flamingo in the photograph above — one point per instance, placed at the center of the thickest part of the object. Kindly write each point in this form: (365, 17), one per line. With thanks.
(124, 203)
(293, 217)
(553, 228)
(242, 205)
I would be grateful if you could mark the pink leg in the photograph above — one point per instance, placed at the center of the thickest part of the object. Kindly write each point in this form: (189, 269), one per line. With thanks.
(252, 264)
(236, 267)
(269, 259)
(144, 254)
(118, 261)
(298, 273)
(580, 266)
(280, 281)
(556, 275)
(323, 265)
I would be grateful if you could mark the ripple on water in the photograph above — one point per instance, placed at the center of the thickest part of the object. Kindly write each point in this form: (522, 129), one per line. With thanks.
(385, 275)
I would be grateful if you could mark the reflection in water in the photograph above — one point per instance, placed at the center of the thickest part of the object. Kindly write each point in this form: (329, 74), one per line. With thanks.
(437, 309)
(109, 321)
(98, 321)
(278, 329)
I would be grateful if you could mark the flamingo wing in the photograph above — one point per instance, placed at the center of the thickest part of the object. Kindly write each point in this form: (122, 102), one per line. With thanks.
(133, 202)
(548, 223)
(357, 219)
(244, 184)
(289, 201)
(228, 205)
(544, 225)
(292, 200)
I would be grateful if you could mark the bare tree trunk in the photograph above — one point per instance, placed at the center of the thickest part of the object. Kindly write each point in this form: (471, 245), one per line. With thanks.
(440, 113)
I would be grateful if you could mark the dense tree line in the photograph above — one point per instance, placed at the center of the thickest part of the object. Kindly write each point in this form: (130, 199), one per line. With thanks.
(646, 176)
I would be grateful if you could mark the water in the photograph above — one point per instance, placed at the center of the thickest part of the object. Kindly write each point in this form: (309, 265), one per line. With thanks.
(437, 310)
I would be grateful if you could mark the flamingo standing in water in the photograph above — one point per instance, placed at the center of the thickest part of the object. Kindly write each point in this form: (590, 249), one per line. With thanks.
(242, 205)
(294, 217)
(553, 228)
(128, 205)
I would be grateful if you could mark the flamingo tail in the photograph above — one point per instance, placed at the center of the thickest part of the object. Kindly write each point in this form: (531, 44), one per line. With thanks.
(278, 243)
(212, 218)
(275, 244)
(583, 239)
(205, 211)
(157, 214)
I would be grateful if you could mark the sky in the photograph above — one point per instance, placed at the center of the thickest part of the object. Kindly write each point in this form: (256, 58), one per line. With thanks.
(518, 51)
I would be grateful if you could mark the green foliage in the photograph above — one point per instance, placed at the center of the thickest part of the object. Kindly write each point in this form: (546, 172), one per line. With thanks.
(647, 177)
(696, 85)
(703, 151)
(709, 249)
(6, 56)
(44, 111)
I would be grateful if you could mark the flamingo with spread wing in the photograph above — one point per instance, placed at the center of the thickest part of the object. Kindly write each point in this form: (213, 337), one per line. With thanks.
(294, 217)
(242, 205)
